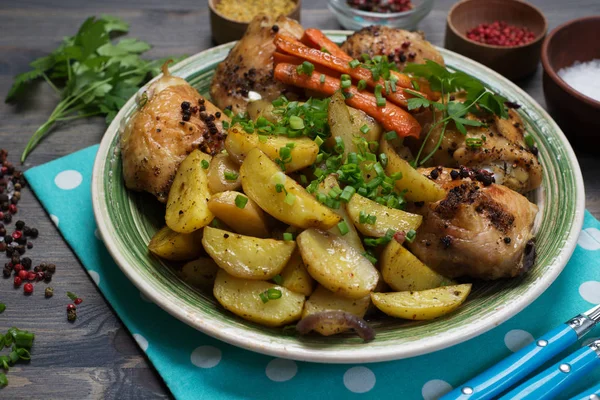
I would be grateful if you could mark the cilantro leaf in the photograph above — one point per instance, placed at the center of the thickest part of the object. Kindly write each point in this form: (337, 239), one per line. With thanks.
(417, 102)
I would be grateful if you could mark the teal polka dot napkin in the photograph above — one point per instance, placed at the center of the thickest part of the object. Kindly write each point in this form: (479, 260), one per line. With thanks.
(196, 366)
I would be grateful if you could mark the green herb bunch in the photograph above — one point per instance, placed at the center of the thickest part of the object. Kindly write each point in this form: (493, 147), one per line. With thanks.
(478, 99)
(90, 73)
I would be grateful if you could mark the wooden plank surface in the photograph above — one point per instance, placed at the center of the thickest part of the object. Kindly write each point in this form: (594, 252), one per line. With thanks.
(96, 357)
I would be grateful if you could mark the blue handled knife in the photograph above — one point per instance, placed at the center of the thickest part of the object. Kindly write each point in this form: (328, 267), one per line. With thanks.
(554, 380)
(592, 393)
(516, 367)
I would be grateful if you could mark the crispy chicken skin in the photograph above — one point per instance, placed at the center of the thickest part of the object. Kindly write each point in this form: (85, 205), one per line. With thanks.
(399, 45)
(477, 231)
(503, 151)
(249, 65)
(157, 139)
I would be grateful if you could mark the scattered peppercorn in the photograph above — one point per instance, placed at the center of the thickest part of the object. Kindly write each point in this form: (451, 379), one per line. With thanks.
(28, 288)
(454, 174)
(185, 105)
(507, 240)
(51, 268)
(71, 307)
(22, 274)
(17, 281)
(434, 174)
(71, 315)
(34, 233)
(49, 292)
(78, 301)
(20, 225)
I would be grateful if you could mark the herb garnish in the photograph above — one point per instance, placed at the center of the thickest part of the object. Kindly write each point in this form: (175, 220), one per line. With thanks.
(447, 82)
(91, 74)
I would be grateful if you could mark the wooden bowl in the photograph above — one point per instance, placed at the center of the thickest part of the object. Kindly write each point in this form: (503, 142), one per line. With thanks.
(577, 114)
(227, 30)
(512, 62)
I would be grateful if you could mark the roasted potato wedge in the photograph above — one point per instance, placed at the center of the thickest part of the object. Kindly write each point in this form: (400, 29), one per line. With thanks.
(324, 300)
(295, 276)
(187, 206)
(340, 123)
(352, 236)
(260, 175)
(386, 217)
(200, 273)
(423, 305)
(245, 256)
(261, 108)
(242, 297)
(405, 272)
(418, 187)
(303, 154)
(222, 167)
(359, 119)
(249, 220)
(175, 246)
(336, 265)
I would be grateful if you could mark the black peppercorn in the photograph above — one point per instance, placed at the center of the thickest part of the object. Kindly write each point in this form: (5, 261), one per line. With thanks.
(6, 272)
(454, 174)
(4, 206)
(14, 200)
(15, 259)
(36, 268)
(4, 198)
(47, 277)
(9, 251)
(434, 174)
(507, 240)
(26, 262)
(218, 114)
(186, 117)
(8, 239)
(185, 105)
(29, 245)
(51, 268)
(20, 225)
(21, 249)
(43, 266)
(275, 28)
(7, 218)
(34, 233)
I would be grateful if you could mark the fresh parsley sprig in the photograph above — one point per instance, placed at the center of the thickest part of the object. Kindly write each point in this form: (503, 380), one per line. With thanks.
(446, 82)
(90, 73)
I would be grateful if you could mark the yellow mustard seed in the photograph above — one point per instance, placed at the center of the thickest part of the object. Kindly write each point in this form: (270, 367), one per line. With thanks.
(245, 10)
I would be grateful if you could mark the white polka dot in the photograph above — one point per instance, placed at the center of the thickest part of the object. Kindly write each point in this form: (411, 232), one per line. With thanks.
(143, 297)
(95, 277)
(434, 389)
(359, 379)
(68, 180)
(206, 356)
(589, 239)
(281, 370)
(54, 219)
(516, 339)
(141, 341)
(590, 291)
(97, 234)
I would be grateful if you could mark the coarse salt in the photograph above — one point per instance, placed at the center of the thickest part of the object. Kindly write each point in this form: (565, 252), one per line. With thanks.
(583, 77)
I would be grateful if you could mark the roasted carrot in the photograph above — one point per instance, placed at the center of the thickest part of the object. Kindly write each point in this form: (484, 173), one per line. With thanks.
(315, 38)
(291, 46)
(391, 117)
(279, 58)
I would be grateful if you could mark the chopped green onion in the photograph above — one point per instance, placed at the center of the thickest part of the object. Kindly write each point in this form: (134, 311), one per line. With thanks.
(319, 141)
(225, 125)
(343, 227)
(339, 145)
(474, 143)
(228, 112)
(324, 50)
(347, 193)
(381, 102)
(391, 135)
(230, 175)
(365, 218)
(287, 236)
(380, 99)
(370, 157)
(322, 78)
(3, 380)
(345, 84)
(364, 129)
(279, 187)
(354, 63)
(290, 198)
(305, 68)
(241, 201)
(383, 158)
(303, 179)
(393, 85)
(410, 235)
(263, 297)
(24, 339)
(263, 138)
(378, 169)
(277, 278)
(296, 122)
(365, 57)
(274, 294)
(204, 164)
(529, 141)
(345, 77)
(362, 84)
(321, 198)
(369, 256)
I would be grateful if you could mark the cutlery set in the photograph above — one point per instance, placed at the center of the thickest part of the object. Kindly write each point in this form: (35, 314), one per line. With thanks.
(497, 380)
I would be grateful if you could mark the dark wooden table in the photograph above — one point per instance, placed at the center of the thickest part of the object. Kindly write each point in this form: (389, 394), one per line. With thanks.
(96, 357)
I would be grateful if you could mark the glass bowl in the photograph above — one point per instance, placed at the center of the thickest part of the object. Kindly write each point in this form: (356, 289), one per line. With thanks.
(353, 19)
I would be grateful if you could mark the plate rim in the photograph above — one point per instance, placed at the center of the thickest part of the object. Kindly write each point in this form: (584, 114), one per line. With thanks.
(362, 354)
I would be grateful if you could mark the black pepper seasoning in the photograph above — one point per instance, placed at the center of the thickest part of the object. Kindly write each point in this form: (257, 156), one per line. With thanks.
(454, 174)
(507, 240)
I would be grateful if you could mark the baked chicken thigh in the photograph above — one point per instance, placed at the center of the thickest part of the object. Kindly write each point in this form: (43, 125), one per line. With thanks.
(480, 230)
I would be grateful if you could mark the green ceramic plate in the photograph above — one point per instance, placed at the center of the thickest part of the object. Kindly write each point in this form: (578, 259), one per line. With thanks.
(128, 220)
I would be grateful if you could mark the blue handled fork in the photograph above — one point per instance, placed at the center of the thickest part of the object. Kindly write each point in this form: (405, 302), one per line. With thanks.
(516, 367)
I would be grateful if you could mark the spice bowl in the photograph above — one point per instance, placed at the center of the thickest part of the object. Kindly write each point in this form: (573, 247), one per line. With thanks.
(225, 29)
(354, 19)
(513, 62)
(577, 114)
